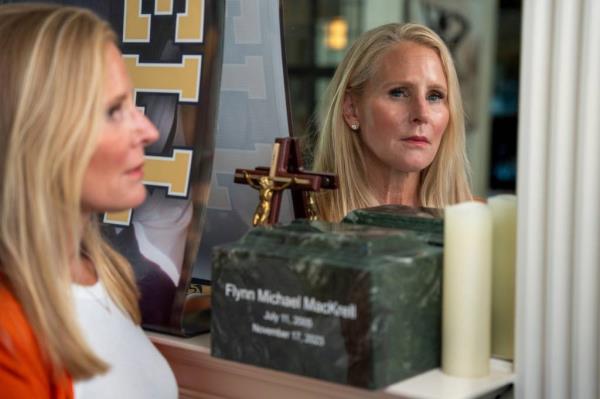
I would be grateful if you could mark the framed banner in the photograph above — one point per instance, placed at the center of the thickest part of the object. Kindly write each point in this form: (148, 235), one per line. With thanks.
(173, 52)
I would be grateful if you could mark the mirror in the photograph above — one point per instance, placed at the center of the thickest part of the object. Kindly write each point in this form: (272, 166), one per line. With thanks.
(483, 36)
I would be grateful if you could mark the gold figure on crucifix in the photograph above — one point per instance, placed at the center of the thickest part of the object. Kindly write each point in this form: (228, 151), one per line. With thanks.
(266, 186)
(311, 207)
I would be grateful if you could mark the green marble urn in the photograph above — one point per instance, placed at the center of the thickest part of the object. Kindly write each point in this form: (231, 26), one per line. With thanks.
(351, 304)
(427, 223)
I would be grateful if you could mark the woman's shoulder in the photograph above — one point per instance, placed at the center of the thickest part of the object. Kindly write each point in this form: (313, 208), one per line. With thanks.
(23, 371)
(17, 339)
(15, 330)
(21, 364)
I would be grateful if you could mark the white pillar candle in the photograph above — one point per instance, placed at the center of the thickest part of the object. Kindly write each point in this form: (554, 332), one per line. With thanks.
(466, 319)
(504, 218)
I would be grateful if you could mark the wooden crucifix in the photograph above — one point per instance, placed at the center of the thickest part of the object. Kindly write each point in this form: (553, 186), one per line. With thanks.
(286, 171)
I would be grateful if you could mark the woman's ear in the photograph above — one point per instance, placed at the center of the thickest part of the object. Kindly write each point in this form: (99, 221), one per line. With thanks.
(349, 111)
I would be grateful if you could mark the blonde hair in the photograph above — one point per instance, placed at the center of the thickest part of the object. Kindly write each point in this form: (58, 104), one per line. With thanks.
(340, 150)
(52, 75)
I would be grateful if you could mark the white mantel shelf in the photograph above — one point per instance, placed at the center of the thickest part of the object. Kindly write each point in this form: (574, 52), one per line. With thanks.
(200, 375)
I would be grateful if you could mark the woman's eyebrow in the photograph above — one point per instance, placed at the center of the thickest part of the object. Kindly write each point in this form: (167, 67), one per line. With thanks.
(438, 87)
(116, 100)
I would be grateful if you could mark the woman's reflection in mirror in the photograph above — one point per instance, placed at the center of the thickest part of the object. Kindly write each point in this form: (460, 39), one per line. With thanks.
(392, 124)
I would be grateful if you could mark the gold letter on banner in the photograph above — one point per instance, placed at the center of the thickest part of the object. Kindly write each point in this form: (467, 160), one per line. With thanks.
(136, 26)
(171, 172)
(190, 25)
(122, 218)
(183, 79)
(163, 7)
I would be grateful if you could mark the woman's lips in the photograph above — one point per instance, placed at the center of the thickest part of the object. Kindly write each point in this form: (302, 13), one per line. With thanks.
(416, 140)
(137, 172)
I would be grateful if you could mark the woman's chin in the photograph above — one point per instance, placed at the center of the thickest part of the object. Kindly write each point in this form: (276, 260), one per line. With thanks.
(415, 165)
(138, 199)
(411, 167)
(132, 200)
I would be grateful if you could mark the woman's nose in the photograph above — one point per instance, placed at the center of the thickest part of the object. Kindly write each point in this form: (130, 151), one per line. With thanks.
(419, 110)
(147, 132)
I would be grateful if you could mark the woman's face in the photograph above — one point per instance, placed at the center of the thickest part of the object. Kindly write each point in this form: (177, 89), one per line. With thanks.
(403, 110)
(113, 179)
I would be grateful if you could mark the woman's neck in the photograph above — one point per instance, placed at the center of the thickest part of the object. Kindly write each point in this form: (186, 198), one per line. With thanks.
(83, 271)
(391, 187)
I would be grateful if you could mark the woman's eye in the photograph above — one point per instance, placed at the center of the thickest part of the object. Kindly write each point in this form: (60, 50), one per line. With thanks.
(435, 96)
(398, 92)
(115, 112)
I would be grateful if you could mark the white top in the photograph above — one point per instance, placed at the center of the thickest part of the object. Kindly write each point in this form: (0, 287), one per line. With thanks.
(137, 369)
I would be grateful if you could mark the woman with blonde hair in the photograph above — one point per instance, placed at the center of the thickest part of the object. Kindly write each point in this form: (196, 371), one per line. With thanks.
(71, 146)
(392, 124)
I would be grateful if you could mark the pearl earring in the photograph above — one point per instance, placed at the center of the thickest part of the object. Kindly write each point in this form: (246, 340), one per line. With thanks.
(354, 126)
